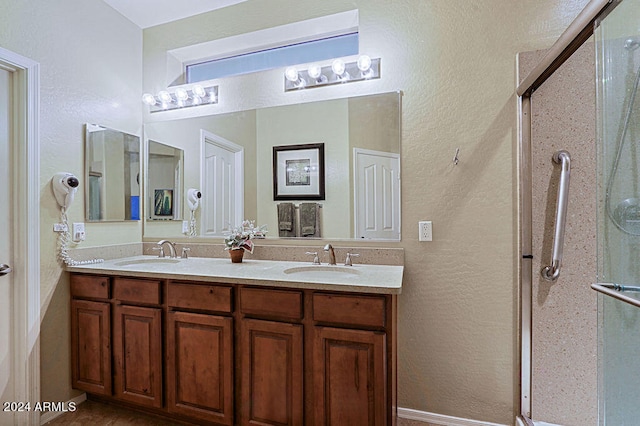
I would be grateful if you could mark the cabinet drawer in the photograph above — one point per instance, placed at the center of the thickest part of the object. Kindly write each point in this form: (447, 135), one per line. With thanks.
(88, 286)
(136, 290)
(206, 297)
(271, 303)
(366, 311)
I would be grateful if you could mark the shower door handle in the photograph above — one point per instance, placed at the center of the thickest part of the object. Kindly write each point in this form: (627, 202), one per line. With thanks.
(552, 272)
(4, 269)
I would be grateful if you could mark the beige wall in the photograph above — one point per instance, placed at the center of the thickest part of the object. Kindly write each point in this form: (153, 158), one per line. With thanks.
(455, 62)
(91, 59)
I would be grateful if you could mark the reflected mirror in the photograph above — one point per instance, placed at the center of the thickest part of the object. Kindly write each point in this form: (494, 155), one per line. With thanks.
(232, 154)
(165, 166)
(112, 175)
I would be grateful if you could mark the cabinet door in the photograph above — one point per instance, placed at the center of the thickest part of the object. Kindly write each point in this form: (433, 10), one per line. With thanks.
(200, 368)
(90, 346)
(137, 345)
(272, 373)
(349, 377)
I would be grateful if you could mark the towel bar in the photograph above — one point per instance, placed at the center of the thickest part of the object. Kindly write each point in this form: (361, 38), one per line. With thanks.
(616, 290)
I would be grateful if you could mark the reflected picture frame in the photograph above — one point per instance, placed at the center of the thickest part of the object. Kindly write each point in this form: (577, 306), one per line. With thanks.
(163, 202)
(298, 172)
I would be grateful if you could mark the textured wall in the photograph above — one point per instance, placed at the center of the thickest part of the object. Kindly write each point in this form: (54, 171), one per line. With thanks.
(565, 313)
(455, 63)
(91, 61)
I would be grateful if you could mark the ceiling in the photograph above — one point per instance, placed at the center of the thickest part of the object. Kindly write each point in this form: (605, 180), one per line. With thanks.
(147, 13)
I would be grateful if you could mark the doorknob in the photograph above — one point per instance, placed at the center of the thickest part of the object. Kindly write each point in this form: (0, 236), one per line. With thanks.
(4, 269)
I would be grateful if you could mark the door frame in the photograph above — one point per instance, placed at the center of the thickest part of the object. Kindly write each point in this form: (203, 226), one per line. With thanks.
(26, 224)
(238, 156)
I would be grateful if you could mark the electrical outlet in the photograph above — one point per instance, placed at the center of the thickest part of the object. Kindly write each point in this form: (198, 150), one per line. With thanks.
(185, 226)
(78, 232)
(425, 231)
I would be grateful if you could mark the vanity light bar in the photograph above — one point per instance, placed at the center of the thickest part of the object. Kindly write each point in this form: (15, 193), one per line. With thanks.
(181, 98)
(338, 72)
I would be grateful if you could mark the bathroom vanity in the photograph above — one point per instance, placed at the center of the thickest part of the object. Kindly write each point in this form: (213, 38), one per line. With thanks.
(264, 342)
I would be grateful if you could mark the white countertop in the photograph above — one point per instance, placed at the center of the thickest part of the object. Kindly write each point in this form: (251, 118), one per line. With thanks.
(357, 278)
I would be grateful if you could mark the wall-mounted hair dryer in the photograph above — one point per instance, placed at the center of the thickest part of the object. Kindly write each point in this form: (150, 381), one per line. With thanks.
(193, 198)
(65, 186)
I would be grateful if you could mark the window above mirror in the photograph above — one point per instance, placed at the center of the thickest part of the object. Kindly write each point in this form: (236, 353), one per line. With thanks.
(323, 38)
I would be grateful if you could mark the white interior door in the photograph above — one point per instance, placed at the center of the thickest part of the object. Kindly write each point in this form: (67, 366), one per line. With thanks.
(376, 194)
(7, 392)
(222, 171)
(19, 236)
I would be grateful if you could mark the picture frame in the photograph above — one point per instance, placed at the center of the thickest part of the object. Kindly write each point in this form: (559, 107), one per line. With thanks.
(298, 172)
(163, 202)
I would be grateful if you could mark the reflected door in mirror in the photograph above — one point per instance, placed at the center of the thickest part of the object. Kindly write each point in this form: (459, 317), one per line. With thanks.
(223, 190)
(377, 189)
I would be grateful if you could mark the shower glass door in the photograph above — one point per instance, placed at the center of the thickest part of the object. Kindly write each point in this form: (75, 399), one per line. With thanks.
(617, 39)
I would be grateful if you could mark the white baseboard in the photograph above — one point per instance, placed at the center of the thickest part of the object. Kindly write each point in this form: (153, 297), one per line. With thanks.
(50, 415)
(440, 419)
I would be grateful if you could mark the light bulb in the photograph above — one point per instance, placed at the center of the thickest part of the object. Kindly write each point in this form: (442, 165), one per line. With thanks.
(314, 71)
(198, 90)
(181, 94)
(364, 63)
(149, 99)
(291, 74)
(338, 66)
(196, 100)
(165, 97)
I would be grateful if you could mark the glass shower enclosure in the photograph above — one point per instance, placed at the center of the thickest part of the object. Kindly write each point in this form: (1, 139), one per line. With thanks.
(617, 40)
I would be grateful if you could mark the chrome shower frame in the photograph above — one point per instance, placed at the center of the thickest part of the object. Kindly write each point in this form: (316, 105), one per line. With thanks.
(571, 39)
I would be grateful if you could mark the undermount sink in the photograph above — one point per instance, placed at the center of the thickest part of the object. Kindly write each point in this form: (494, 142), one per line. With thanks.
(323, 271)
(152, 261)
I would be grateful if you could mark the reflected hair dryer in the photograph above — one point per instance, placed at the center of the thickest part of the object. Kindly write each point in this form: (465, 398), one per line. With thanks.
(193, 198)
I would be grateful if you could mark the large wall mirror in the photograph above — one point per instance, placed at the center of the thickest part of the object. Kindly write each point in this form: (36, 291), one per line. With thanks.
(232, 154)
(112, 175)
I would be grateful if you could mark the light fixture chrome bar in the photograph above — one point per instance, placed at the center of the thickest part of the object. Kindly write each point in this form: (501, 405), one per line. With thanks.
(181, 98)
(615, 291)
(337, 73)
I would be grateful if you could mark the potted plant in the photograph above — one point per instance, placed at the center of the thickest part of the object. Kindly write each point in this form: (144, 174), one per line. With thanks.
(239, 239)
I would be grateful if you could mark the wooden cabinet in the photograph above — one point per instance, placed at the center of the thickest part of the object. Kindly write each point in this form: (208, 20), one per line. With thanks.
(90, 346)
(272, 373)
(350, 378)
(227, 354)
(137, 353)
(200, 366)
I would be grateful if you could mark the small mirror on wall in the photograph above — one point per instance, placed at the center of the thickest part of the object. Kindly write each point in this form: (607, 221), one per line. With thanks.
(164, 181)
(112, 175)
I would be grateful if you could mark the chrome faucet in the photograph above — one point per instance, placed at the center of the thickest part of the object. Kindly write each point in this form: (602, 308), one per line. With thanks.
(172, 248)
(332, 255)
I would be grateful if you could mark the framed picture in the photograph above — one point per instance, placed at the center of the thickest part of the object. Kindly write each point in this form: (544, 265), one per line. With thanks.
(298, 172)
(163, 202)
